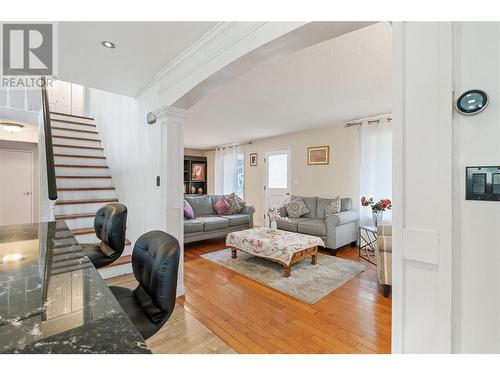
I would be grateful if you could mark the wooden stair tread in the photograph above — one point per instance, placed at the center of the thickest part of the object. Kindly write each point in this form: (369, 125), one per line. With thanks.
(76, 138)
(69, 115)
(80, 156)
(86, 188)
(85, 201)
(75, 146)
(74, 130)
(81, 166)
(72, 122)
(81, 231)
(74, 216)
(125, 259)
(83, 176)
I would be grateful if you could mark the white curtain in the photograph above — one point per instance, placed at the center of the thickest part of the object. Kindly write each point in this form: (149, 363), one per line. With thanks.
(226, 170)
(375, 180)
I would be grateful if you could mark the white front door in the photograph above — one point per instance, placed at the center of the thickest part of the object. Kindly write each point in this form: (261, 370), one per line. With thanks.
(278, 182)
(16, 171)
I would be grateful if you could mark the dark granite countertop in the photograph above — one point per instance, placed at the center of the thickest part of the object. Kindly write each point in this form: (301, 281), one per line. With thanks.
(53, 300)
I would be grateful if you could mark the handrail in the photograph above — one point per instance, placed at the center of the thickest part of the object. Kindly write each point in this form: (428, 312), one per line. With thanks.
(49, 151)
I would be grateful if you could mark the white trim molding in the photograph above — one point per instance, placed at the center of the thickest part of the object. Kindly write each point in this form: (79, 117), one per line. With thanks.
(422, 172)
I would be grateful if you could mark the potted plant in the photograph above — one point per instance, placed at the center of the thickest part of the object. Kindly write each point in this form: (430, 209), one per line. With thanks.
(378, 208)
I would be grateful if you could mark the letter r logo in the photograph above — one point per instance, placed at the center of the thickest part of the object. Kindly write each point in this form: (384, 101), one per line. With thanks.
(27, 49)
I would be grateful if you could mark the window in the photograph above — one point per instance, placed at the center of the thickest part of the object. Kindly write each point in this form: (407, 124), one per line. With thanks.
(229, 171)
(278, 171)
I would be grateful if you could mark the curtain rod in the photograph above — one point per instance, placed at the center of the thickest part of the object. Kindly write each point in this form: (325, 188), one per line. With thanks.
(369, 120)
(228, 145)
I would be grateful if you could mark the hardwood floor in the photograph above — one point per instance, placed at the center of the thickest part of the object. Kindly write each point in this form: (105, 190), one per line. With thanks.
(182, 334)
(253, 318)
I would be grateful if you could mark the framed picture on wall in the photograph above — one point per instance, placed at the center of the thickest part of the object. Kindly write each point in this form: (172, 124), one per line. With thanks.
(318, 155)
(198, 172)
(253, 160)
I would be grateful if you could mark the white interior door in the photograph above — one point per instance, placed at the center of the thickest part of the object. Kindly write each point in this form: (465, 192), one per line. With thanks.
(278, 183)
(16, 196)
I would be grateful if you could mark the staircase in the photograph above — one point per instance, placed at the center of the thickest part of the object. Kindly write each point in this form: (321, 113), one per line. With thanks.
(83, 181)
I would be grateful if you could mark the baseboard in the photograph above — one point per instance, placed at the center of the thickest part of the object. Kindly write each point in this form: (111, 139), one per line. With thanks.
(180, 290)
(109, 272)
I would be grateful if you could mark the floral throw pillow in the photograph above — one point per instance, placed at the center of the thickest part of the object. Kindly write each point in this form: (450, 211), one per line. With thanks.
(222, 207)
(333, 207)
(235, 203)
(296, 207)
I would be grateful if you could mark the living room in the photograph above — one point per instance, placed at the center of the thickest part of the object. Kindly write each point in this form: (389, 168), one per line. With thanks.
(343, 179)
(318, 134)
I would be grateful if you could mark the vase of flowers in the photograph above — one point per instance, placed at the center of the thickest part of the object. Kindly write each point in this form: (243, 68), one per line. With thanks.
(273, 213)
(378, 208)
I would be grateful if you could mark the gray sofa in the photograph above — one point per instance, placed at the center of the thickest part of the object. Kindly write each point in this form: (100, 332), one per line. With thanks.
(336, 231)
(207, 224)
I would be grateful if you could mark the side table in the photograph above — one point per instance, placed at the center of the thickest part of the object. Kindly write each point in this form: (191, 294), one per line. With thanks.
(367, 241)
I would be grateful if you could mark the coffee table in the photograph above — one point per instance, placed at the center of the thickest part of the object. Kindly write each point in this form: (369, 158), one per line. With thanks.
(285, 248)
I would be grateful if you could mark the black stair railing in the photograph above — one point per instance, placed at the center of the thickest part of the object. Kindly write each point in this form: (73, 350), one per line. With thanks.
(49, 150)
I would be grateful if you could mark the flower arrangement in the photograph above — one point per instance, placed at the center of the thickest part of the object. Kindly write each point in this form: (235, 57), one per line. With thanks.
(273, 213)
(380, 206)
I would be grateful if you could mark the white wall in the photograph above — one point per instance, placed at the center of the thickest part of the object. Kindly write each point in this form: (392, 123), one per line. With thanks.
(340, 177)
(476, 267)
(131, 147)
(137, 153)
(446, 249)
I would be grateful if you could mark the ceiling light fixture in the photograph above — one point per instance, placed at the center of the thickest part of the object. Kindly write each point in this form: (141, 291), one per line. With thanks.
(12, 127)
(108, 44)
(12, 258)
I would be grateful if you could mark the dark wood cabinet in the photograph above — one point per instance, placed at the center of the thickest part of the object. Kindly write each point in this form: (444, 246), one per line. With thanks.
(195, 175)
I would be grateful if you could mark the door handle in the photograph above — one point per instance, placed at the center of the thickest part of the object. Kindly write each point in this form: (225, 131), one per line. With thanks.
(287, 194)
(27, 193)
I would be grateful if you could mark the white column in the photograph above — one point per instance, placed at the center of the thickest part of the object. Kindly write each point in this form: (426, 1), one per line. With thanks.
(422, 187)
(172, 171)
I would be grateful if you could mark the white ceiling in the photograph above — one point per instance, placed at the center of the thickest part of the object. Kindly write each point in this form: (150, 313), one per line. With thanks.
(345, 78)
(142, 50)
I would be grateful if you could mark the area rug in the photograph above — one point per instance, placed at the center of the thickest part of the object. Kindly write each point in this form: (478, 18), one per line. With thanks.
(308, 283)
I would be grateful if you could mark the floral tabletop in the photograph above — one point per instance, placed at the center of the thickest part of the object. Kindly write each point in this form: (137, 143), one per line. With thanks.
(274, 244)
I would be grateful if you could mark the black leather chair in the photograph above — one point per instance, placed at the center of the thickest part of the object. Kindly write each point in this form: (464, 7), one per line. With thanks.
(155, 262)
(110, 224)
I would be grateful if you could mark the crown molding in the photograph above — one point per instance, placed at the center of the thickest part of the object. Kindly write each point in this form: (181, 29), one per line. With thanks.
(171, 113)
(212, 43)
(221, 45)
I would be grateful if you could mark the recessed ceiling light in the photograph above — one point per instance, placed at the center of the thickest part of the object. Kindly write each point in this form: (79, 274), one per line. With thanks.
(12, 127)
(108, 44)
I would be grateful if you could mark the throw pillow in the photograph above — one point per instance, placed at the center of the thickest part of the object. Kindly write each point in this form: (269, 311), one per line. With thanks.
(222, 207)
(333, 207)
(241, 202)
(188, 210)
(234, 203)
(296, 207)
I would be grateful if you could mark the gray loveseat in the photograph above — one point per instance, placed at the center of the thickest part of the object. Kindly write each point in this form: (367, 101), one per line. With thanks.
(336, 231)
(207, 224)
